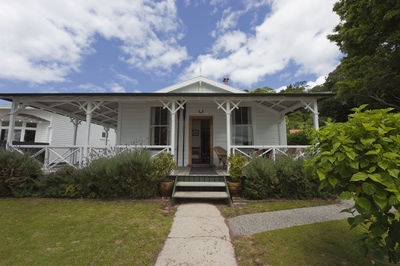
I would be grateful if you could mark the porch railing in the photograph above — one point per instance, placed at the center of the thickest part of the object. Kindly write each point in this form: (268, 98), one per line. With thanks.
(271, 151)
(53, 156)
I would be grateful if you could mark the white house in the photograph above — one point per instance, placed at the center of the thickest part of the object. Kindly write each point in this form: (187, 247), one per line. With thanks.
(187, 119)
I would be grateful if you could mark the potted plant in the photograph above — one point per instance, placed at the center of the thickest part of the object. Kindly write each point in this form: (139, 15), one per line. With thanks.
(236, 163)
(163, 165)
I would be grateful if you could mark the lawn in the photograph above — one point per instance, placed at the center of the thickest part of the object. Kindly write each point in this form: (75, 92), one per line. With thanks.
(327, 243)
(82, 232)
(246, 207)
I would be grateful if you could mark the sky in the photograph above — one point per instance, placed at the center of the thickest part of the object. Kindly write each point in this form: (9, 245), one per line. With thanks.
(143, 46)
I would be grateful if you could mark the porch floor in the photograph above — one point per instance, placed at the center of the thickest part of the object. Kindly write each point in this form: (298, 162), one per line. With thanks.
(185, 171)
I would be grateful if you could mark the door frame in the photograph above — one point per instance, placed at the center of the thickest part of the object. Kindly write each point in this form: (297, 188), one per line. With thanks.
(210, 118)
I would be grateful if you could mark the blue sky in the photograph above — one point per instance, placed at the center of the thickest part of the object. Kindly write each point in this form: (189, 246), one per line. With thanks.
(143, 46)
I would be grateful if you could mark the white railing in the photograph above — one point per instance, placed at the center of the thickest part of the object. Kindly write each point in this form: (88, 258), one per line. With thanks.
(270, 151)
(53, 156)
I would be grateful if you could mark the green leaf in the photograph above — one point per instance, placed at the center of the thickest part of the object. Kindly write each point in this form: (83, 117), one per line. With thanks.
(335, 146)
(352, 155)
(393, 200)
(391, 155)
(321, 174)
(363, 203)
(367, 142)
(381, 203)
(354, 164)
(377, 229)
(394, 172)
(371, 169)
(383, 164)
(360, 176)
(333, 181)
(345, 195)
(368, 188)
(372, 152)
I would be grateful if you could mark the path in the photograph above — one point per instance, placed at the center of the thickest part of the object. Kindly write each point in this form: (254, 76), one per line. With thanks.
(266, 221)
(199, 236)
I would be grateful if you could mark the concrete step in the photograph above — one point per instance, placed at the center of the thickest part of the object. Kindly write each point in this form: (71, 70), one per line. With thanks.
(200, 184)
(201, 194)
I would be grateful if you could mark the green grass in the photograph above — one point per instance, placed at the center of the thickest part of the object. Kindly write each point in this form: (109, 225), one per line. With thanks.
(328, 243)
(247, 207)
(82, 232)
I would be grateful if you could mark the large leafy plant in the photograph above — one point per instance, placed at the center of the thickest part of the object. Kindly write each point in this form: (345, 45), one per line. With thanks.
(236, 162)
(361, 159)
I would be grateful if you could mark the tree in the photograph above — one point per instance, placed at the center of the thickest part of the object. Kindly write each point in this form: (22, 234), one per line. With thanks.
(262, 90)
(369, 36)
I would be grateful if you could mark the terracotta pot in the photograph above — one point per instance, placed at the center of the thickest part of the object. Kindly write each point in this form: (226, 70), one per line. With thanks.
(166, 188)
(234, 188)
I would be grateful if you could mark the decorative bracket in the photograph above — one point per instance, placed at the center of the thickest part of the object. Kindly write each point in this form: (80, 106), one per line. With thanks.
(89, 109)
(178, 105)
(225, 109)
(308, 107)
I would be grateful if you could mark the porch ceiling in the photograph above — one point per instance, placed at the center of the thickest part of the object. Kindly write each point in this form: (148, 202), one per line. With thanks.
(70, 104)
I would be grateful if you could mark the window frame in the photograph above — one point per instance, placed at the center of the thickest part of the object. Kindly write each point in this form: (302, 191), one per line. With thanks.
(249, 125)
(154, 126)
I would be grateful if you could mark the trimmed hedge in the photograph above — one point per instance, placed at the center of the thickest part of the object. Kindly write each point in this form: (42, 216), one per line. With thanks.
(286, 178)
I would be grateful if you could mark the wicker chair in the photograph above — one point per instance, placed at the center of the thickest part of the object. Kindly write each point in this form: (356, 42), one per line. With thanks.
(221, 153)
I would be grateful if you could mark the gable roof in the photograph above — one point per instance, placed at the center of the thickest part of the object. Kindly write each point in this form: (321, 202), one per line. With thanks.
(200, 80)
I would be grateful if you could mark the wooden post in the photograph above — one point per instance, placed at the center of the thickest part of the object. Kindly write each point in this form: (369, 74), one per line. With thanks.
(10, 135)
(228, 129)
(87, 138)
(315, 115)
(172, 141)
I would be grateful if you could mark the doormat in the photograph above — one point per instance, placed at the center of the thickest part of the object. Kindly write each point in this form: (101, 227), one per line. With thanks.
(202, 171)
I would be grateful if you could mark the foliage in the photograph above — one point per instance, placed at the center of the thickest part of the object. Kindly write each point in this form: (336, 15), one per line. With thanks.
(286, 178)
(361, 159)
(260, 179)
(300, 138)
(62, 183)
(163, 164)
(129, 174)
(369, 36)
(262, 90)
(18, 174)
(236, 162)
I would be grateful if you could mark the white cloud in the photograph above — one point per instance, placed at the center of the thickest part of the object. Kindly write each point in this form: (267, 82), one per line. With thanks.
(228, 21)
(294, 31)
(44, 40)
(90, 87)
(126, 79)
(320, 80)
(115, 87)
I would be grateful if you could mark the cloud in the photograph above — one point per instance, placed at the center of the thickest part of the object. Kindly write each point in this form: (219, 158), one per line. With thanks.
(320, 80)
(45, 40)
(126, 79)
(90, 87)
(294, 31)
(229, 20)
(115, 87)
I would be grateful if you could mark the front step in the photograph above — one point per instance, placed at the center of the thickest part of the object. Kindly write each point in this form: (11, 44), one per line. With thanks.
(201, 187)
(201, 195)
(200, 184)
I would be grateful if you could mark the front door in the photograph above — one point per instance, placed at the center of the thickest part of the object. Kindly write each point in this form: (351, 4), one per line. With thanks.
(200, 140)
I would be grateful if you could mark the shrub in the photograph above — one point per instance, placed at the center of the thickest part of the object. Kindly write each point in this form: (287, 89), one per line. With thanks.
(236, 163)
(126, 175)
(18, 174)
(63, 183)
(361, 159)
(163, 164)
(300, 138)
(295, 182)
(260, 179)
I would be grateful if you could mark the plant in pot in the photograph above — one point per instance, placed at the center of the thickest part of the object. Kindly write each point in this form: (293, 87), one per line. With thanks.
(163, 165)
(236, 163)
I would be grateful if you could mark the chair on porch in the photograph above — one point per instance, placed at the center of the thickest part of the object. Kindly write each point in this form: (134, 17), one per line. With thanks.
(221, 153)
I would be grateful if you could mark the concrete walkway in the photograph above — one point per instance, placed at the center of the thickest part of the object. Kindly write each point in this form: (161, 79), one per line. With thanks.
(199, 236)
(266, 221)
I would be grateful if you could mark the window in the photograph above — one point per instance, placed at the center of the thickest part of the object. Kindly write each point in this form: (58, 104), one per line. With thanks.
(18, 124)
(103, 134)
(17, 135)
(29, 135)
(3, 135)
(242, 126)
(159, 126)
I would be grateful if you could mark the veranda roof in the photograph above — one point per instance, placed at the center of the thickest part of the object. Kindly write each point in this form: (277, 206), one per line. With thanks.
(72, 104)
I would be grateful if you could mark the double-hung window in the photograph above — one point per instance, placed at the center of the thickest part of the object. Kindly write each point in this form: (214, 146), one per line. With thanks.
(242, 126)
(159, 126)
